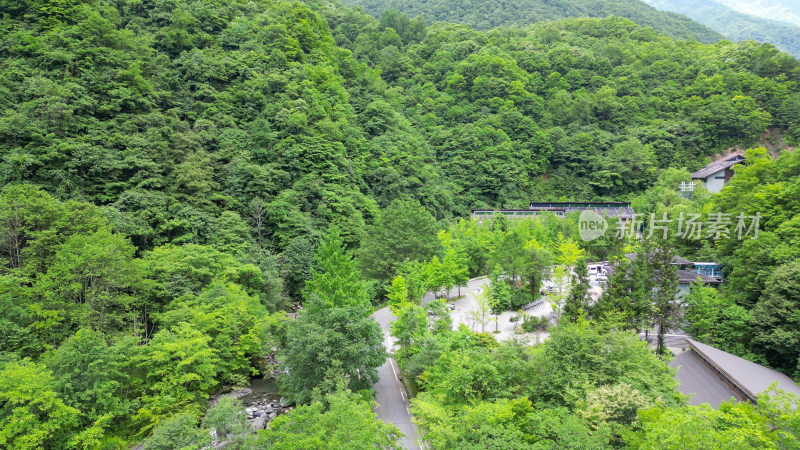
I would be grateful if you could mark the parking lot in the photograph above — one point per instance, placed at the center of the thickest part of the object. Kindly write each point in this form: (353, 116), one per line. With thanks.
(466, 310)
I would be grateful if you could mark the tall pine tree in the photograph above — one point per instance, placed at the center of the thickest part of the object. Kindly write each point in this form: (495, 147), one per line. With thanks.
(665, 305)
(577, 302)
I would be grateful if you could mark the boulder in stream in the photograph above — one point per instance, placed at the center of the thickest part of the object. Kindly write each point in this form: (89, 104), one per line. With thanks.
(259, 423)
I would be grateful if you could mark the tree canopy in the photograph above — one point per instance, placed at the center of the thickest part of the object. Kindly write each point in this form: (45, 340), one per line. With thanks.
(196, 193)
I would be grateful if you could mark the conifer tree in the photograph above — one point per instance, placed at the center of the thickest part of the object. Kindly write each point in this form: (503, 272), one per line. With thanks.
(577, 302)
(336, 280)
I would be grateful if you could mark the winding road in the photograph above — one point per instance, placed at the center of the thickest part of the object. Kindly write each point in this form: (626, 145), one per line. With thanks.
(389, 392)
(390, 395)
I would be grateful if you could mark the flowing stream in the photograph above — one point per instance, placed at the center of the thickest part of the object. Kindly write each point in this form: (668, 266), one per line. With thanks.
(263, 391)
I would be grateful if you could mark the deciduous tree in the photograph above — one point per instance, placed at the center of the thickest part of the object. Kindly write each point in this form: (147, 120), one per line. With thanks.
(776, 318)
(405, 231)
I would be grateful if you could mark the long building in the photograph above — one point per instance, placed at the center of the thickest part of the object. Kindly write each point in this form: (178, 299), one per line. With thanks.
(620, 210)
(710, 375)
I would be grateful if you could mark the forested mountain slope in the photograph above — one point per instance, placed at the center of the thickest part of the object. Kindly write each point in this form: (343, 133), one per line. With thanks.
(485, 14)
(173, 113)
(734, 25)
(783, 10)
(176, 176)
(170, 118)
(567, 107)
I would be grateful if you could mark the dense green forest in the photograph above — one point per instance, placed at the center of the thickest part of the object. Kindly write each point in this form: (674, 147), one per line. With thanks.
(579, 100)
(193, 194)
(592, 383)
(169, 123)
(735, 25)
(486, 14)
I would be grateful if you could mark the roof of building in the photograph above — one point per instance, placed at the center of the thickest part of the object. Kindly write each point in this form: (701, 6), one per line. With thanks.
(515, 210)
(607, 209)
(751, 378)
(584, 205)
(621, 210)
(675, 260)
(701, 382)
(716, 166)
(685, 276)
(690, 276)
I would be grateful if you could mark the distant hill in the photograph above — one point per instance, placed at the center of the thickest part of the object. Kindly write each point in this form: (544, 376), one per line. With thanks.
(735, 25)
(781, 10)
(485, 14)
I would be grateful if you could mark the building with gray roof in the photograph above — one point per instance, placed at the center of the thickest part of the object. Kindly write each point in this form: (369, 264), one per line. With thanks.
(687, 273)
(715, 175)
(710, 375)
(618, 210)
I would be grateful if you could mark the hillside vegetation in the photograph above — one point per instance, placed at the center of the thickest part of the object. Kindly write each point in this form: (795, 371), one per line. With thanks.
(485, 14)
(735, 25)
(178, 178)
(783, 10)
(186, 126)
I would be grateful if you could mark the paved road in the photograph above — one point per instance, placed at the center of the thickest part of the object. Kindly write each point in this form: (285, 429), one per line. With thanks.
(389, 393)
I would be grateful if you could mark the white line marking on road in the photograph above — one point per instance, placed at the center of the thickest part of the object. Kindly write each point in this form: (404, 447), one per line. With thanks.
(403, 394)
(395, 373)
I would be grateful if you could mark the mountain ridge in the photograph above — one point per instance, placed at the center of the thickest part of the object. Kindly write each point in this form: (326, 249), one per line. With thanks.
(780, 10)
(735, 25)
(485, 14)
